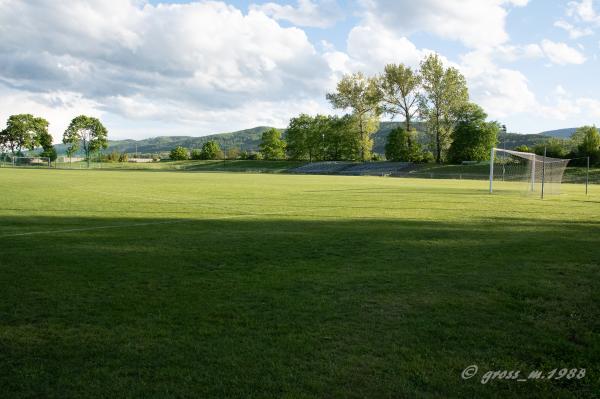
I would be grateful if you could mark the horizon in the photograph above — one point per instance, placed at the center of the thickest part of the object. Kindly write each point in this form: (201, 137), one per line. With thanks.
(531, 70)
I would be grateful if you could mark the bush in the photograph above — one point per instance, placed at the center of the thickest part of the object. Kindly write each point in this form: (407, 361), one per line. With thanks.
(523, 148)
(178, 154)
(123, 157)
(402, 146)
(196, 155)
(555, 148)
(210, 150)
(50, 153)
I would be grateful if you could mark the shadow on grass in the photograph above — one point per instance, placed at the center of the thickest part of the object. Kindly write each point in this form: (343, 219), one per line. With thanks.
(254, 307)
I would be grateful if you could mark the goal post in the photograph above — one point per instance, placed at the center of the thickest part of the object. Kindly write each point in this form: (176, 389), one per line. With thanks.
(43, 162)
(525, 172)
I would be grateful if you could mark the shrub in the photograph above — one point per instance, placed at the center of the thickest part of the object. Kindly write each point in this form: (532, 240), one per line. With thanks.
(196, 155)
(178, 154)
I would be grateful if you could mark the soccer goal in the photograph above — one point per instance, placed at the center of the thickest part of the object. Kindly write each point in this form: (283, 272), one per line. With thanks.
(30, 162)
(526, 172)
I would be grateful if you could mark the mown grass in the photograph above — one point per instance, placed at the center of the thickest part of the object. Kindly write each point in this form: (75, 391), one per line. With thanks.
(140, 284)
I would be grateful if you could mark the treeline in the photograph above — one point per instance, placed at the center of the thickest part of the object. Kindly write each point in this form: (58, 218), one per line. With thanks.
(584, 143)
(27, 132)
(436, 95)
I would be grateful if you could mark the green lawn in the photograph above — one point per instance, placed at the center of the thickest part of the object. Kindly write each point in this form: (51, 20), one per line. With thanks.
(163, 284)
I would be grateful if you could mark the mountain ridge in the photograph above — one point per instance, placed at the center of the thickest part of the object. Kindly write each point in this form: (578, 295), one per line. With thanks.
(249, 139)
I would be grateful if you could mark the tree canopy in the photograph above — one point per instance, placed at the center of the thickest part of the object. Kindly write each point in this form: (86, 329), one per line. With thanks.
(271, 145)
(445, 94)
(399, 87)
(25, 132)
(402, 145)
(473, 137)
(210, 150)
(87, 133)
(360, 94)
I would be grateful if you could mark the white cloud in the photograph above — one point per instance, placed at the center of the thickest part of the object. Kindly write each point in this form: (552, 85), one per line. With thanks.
(561, 53)
(178, 62)
(475, 23)
(500, 91)
(583, 10)
(372, 47)
(58, 107)
(573, 31)
(321, 14)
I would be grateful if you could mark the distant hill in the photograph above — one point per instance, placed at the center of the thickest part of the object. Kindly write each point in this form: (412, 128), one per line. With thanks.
(560, 133)
(249, 139)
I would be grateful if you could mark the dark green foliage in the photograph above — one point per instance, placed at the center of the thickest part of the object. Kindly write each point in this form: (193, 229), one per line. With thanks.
(272, 147)
(403, 146)
(87, 133)
(50, 152)
(323, 137)
(25, 132)
(555, 148)
(211, 150)
(178, 154)
(196, 155)
(587, 141)
(472, 137)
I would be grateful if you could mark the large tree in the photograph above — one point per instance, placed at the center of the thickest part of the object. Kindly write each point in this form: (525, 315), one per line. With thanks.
(587, 140)
(402, 146)
(87, 133)
(445, 94)
(360, 94)
(24, 131)
(473, 137)
(399, 86)
(210, 150)
(296, 137)
(271, 145)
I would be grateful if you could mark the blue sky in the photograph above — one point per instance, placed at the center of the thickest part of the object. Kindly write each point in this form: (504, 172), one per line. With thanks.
(150, 68)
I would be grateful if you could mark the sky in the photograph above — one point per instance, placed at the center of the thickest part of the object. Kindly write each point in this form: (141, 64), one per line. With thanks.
(149, 68)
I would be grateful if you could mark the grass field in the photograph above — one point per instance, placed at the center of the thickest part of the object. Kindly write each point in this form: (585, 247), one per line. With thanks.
(167, 284)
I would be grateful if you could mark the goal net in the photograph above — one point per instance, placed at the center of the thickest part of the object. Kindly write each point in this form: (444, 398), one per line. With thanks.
(27, 161)
(526, 172)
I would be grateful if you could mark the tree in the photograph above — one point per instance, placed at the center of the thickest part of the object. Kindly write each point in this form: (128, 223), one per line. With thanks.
(360, 94)
(196, 154)
(402, 146)
(588, 144)
(211, 150)
(473, 137)
(45, 141)
(399, 87)
(87, 133)
(523, 148)
(296, 137)
(555, 148)
(24, 131)
(271, 145)
(233, 153)
(178, 154)
(445, 95)
(340, 139)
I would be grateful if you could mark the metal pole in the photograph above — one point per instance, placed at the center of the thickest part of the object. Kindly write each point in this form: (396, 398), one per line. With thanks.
(533, 172)
(492, 171)
(543, 172)
(587, 176)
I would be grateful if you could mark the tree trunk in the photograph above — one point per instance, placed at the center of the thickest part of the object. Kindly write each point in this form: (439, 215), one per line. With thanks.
(438, 155)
